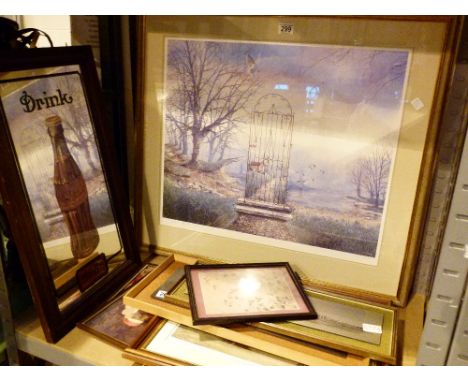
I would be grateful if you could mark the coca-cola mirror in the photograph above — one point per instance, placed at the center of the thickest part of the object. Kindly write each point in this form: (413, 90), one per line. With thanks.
(60, 185)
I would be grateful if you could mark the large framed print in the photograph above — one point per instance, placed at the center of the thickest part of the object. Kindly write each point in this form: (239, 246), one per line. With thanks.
(61, 191)
(313, 147)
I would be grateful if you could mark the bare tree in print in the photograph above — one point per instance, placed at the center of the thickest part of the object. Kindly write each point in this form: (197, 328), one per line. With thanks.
(370, 174)
(209, 90)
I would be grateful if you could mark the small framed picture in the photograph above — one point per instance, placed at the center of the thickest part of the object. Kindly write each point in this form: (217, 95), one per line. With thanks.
(223, 294)
(118, 324)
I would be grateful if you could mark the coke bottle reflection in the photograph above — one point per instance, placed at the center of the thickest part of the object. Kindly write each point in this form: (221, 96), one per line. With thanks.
(71, 193)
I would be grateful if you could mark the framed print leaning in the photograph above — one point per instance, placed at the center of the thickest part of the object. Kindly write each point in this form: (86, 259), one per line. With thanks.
(313, 148)
(59, 182)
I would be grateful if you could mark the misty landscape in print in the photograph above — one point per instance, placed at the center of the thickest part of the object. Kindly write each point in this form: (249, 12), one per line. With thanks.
(294, 143)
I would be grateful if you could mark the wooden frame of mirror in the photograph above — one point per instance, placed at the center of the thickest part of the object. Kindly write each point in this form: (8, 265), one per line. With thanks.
(56, 317)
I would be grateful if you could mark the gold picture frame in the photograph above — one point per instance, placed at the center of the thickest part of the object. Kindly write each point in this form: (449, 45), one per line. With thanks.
(170, 343)
(427, 45)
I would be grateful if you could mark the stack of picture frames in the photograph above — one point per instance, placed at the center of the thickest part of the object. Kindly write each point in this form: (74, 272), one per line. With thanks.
(305, 140)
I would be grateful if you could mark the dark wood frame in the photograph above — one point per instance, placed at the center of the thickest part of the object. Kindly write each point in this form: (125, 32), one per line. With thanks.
(194, 303)
(112, 68)
(55, 322)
